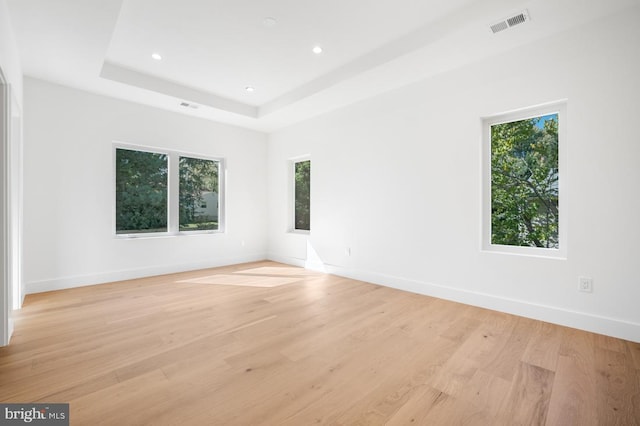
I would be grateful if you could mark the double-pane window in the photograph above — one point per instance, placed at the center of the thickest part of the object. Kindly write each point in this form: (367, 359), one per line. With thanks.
(147, 202)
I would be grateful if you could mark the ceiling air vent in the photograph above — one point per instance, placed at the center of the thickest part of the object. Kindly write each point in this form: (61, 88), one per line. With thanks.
(188, 105)
(511, 21)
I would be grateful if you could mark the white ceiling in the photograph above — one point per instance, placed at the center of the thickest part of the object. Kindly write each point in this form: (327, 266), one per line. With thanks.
(213, 49)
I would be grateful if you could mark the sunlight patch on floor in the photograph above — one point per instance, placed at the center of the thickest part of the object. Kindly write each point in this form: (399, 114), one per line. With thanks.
(280, 270)
(242, 280)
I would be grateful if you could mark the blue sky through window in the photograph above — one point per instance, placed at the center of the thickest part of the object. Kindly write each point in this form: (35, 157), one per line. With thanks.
(544, 118)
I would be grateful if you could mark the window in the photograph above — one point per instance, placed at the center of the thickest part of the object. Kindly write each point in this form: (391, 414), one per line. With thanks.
(523, 202)
(198, 194)
(302, 195)
(141, 191)
(164, 192)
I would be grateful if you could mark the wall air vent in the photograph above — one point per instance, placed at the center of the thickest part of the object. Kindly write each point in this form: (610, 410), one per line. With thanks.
(511, 21)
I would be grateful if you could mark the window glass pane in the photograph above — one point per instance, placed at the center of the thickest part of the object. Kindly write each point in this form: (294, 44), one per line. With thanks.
(141, 192)
(524, 182)
(199, 194)
(302, 195)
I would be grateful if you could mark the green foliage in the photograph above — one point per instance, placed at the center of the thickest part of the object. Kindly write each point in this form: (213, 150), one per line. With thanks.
(141, 191)
(199, 226)
(524, 183)
(197, 176)
(303, 195)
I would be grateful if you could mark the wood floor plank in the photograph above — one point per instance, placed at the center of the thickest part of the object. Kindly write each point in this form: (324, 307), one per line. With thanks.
(617, 385)
(635, 400)
(455, 374)
(528, 399)
(505, 358)
(461, 329)
(394, 390)
(610, 343)
(486, 391)
(417, 407)
(544, 347)
(136, 398)
(447, 410)
(634, 350)
(575, 386)
(271, 344)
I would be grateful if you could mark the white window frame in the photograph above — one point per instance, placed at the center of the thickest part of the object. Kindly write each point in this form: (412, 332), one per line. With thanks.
(292, 194)
(174, 202)
(557, 107)
(173, 194)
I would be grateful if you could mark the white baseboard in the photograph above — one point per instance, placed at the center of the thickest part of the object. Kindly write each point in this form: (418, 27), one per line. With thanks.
(111, 276)
(581, 320)
(293, 261)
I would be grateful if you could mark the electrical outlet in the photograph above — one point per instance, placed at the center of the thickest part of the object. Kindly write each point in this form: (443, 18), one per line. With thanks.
(586, 285)
(347, 251)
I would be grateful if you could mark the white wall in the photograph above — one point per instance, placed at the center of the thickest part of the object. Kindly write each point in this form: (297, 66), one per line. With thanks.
(69, 203)
(397, 179)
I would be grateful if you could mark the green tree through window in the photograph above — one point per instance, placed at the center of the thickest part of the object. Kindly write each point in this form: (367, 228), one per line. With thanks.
(141, 192)
(302, 195)
(198, 194)
(524, 182)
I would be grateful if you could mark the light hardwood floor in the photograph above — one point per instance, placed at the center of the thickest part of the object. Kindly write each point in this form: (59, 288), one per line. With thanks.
(265, 343)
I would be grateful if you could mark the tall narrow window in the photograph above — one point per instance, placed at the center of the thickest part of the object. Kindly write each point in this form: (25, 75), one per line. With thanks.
(199, 194)
(302, 195)
(524, 182)
(141, 191)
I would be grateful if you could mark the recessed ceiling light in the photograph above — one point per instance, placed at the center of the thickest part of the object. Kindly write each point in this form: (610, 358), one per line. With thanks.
(249, 89)
(317, 50)
(156, 56)
(269, 21)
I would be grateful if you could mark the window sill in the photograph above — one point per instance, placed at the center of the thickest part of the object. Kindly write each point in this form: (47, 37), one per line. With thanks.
(542, 253)
(299, 232)
(156, 235)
